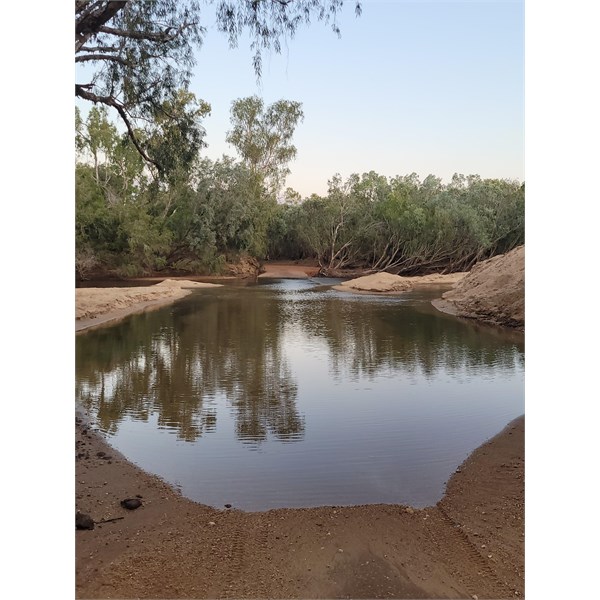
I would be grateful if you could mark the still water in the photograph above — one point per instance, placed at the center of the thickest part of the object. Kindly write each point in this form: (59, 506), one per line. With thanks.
(290, 394)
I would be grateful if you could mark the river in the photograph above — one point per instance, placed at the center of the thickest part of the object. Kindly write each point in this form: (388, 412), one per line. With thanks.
(287, 393)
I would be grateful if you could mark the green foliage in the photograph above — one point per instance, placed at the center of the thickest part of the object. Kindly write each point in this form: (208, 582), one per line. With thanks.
(201, 211)
(143, 53)
(403, 225)
(177, 136)
(263, 136)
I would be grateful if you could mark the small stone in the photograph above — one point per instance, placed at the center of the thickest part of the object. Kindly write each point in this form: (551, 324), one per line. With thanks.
(131, 503)
(409, 510)
(475, 597)
(211, 523)
(489, 556)
(100, 454)
(340, 550)
(227, 505)
(83, 521)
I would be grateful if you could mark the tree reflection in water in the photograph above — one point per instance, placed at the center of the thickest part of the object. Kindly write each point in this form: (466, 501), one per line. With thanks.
(175, 362)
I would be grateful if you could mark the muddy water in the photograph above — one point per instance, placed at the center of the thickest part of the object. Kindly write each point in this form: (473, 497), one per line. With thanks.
(290, 394)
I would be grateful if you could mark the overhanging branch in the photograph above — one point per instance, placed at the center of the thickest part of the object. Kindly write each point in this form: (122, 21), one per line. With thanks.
(91, 21)
(110, 57)
(82, 92)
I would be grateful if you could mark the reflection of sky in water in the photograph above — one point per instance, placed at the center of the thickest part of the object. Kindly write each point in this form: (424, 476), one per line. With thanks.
(284, 394)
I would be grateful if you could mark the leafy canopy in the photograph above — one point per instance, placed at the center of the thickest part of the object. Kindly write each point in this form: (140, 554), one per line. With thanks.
(142, 52)
(263, 136)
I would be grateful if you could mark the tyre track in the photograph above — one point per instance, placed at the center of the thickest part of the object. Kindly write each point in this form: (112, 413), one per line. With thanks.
(502, 590)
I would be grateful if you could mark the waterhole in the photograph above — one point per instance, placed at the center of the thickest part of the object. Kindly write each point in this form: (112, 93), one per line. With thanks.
(290, 394)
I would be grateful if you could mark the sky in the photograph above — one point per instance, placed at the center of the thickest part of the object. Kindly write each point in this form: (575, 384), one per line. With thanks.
(425, 87)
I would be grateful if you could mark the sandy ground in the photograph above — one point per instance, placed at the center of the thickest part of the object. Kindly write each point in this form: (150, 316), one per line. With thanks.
(470, 545)
(492, 292)
(388, 283)
(273, 270)
(99, 306)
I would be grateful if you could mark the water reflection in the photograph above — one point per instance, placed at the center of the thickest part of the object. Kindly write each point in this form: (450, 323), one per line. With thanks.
(176, 362)
(368, 336)
(341, 398)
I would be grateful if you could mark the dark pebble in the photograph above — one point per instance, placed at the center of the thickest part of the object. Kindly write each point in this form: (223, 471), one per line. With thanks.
(100, 454)
(228, 506)
(83, 521)
(139, 496)
(131, 503)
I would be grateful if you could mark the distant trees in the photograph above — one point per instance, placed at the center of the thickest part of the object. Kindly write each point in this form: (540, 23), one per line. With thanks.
(200, 213)
(263, 136)
(402, 225)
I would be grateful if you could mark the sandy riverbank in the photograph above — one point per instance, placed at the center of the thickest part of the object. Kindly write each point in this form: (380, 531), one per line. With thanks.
(385, 283)
(470, 544)
(99, 306)
(493, 292)
(274, 270)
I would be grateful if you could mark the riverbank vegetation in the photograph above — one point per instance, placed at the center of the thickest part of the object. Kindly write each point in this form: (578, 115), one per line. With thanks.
(199, 213)
(147, 201)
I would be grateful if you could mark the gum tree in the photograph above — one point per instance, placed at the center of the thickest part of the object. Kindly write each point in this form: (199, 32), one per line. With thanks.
(138, 54)
(263, 136)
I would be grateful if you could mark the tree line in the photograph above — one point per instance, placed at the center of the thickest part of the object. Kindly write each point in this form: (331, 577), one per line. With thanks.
(198, 214)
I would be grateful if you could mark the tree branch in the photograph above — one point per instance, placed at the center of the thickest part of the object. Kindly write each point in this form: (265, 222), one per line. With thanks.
(88, 57)
(162, 36)
(99, 49)
(110, 101)
(90, 22)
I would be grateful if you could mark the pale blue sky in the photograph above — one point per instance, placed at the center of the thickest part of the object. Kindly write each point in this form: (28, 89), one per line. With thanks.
(429, 87)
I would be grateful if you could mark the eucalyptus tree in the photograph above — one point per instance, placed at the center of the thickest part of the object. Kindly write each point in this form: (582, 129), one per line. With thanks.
(139, 53)
(263, 135)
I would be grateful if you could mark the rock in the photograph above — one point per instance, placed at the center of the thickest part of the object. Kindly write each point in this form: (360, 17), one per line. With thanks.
(100, 454)
(409, 510)
(131, 503)
(83, 521)
(227, 505)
